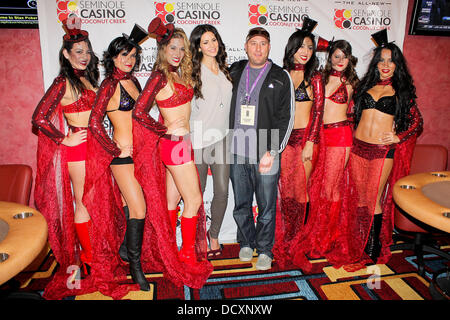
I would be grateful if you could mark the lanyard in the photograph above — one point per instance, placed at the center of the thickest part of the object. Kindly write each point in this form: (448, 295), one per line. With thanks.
(247, 93)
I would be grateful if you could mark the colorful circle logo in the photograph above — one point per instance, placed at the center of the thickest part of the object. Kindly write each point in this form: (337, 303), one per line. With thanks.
(166, 11)
(257, 14)
(343, 18)
(64, 8)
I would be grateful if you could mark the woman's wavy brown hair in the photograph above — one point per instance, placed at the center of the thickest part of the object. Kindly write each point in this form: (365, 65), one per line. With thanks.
(185, 67)
(349, 72)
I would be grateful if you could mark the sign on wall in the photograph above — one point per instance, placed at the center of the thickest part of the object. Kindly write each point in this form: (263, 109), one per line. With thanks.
(18, 14)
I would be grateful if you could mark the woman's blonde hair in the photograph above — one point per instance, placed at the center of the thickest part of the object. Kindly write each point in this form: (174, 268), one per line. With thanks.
(185, 67)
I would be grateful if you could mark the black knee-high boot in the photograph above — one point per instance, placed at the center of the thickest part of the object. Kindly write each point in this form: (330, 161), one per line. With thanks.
(373, 245)
(135, 232)
(123, 247)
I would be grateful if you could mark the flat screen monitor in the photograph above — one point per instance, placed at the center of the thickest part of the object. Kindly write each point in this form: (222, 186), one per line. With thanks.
(430, 18)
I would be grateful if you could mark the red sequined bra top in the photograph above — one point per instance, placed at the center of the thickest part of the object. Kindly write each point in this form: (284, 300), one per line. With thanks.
(340, 96)
(83, 104)
(181, 95)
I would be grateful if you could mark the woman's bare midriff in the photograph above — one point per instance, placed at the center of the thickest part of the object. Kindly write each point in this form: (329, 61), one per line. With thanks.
(79, 119)
(334, 112)
(372, 125)
(123, 127)
(302, 113)
(172, 114)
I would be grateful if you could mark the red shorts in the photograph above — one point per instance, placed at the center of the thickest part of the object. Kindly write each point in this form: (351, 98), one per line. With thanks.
(338, 134)
(77, 153)
(175, 150)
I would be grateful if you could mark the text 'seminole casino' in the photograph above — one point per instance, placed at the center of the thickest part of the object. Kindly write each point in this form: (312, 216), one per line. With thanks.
(372, 17)
(189, 13)
(93, 12)
(277, 15)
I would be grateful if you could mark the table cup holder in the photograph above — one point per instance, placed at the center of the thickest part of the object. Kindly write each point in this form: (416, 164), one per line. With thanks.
(408, 187)
(440, 175)
(23, 215)
(3, 256)
(446, 214)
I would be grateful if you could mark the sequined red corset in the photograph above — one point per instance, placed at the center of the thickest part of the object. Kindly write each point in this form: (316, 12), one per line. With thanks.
(181, 95)
(340, 96)
(83, 104)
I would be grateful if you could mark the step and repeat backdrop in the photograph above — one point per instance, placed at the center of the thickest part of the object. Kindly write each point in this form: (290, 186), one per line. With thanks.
(105, 20)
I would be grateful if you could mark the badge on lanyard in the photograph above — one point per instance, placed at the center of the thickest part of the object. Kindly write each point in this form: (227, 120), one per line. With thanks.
(247, 110)
(248, 114)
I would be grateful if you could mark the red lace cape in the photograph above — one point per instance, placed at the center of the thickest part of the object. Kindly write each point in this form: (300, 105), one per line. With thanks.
(293, 188)
(159, 249)
(326, 191)
(53, 193)
(145, 125)
(363, 172)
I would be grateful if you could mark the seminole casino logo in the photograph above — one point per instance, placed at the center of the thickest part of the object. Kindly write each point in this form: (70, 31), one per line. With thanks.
(343, 18)
(65, 8)
(189, 13)
(363, 18)
(165, 11)
(258, 14)
(92, 12)
(277, 15)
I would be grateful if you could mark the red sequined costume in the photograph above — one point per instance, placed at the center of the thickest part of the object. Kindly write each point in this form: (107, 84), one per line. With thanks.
(159, 249)
(363, 172)
(53, 193)
(293, 187)
(326, 190)
(192, 275)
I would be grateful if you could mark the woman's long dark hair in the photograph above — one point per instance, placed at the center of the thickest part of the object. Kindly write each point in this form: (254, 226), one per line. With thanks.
(294, 43)
(116, 46)
(66, 70)
(349, 72)
(402, 83)
(197, 55)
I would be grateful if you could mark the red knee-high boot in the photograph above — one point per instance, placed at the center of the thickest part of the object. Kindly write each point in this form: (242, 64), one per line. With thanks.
(188, 234)
(173, 217)
(83, 231)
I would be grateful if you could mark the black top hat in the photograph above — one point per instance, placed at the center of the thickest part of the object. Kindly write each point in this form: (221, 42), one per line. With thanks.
(162, 32)
(380, 38)
(72, 27)
(137, 35)
(308, 24)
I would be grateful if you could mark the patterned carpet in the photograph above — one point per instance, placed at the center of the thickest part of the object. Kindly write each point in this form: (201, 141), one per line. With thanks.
(233, 279)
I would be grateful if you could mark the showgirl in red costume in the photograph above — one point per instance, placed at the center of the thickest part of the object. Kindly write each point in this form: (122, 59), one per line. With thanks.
(61, 157)
(170, 85)
(387, 123)
(298, 158)
(133, 160)
(327, 181)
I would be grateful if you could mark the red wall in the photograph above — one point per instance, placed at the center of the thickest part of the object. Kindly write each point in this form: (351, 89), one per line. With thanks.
(21, 87)
(429, 63)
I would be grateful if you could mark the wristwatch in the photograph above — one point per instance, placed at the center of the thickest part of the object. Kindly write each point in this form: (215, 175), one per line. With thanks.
(273, 153)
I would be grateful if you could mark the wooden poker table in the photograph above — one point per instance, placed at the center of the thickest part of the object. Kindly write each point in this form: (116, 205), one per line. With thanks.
(426, 197)
(23, 234)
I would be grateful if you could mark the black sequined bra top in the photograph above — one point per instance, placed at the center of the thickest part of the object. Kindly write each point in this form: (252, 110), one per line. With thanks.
(126, 101)
(301, 94)
(385, 104)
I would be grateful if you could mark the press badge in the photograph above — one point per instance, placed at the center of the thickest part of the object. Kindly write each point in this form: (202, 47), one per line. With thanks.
(248, 115)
